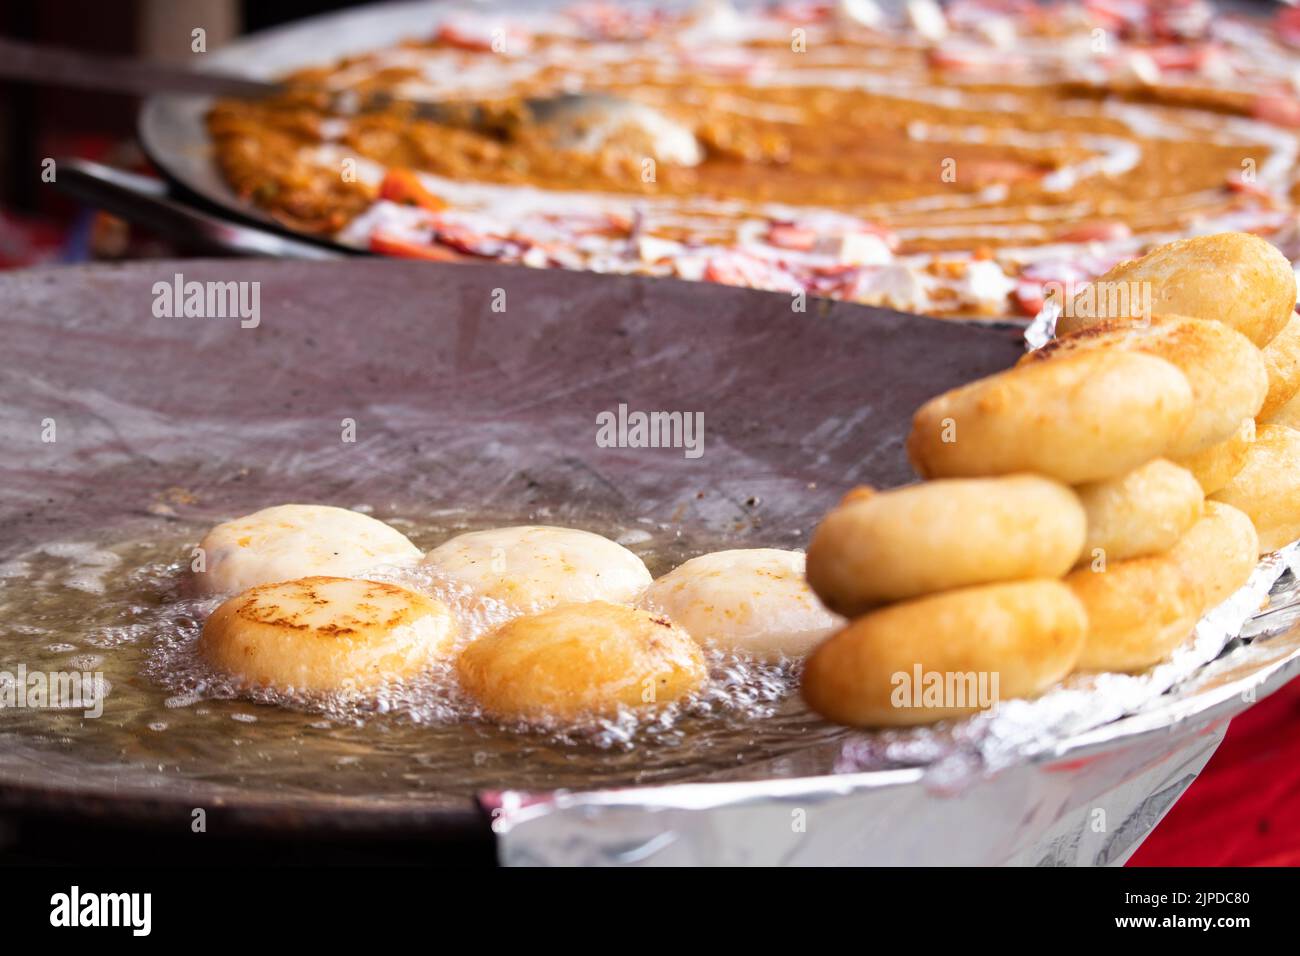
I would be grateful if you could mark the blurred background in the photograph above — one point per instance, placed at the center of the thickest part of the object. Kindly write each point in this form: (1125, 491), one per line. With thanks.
(40, 225)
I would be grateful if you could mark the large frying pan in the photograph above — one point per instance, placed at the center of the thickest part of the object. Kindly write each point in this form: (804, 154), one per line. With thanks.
(462, 406)
(479, 409)
(457, 405)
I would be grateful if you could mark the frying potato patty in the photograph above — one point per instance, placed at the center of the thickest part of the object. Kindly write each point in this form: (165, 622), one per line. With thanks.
(533, 567)
(752, 600)
(294, 541)
(580, 660)
(326, 634)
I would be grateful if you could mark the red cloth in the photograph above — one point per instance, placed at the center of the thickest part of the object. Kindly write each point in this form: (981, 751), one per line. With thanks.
(1244, 809)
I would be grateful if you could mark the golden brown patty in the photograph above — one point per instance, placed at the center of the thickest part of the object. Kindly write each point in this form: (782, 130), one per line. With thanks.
(579, 660)
(1267, 489)
(1226, 372)
(1216, 465)
(1141, 609)
(1232, 277)
(1143, 512)
(940, 535)
(326, 634)
(1012, 639)
(1282, 359)
(1288, 415)
(1079, 418)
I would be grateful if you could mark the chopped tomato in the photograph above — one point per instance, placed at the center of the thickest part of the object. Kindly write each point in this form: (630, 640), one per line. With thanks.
(464, 239)
(985, 172)
(1287, 26)
(387, 245)
(1030, 298)
(404, 186)
(1184, 56)
(480, 39)
(736, 268)
(1277, 108)
(1105, 14)
(1237, 185)
(1095, 232)
(786, 235)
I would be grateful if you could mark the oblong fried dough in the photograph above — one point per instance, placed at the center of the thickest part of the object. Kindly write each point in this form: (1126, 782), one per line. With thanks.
(1267, 489)
(1141, 609)
(1232, 277)
(326, 634)
(1079, 418)
(940, 535)
(1226, 371)
(1143, 512)
(581, 659)
(1215, 466)
(1007, 640)
(1282, 359)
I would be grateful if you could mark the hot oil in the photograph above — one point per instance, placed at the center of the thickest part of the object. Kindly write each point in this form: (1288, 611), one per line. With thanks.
(122, 609)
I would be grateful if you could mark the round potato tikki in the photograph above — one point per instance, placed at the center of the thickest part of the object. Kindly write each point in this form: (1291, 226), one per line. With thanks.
(326, 634)
(1235, 278)
(1226, 372)
(1078, 418)
(1282, 359)
(533, 567)
(1215, 466)
(581, 660)
(946, 655)
(1143, 512)
(1267, 489)
(755, 601)
(1141, 609)
(945, 534)
(294, 541)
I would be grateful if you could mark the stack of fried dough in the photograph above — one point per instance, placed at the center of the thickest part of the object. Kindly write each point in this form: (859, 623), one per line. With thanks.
(1082, 510)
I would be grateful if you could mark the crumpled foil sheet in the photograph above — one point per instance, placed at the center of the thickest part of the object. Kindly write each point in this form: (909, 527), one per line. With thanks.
(1020, 729)
(1077, 776)
(1043, 327)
